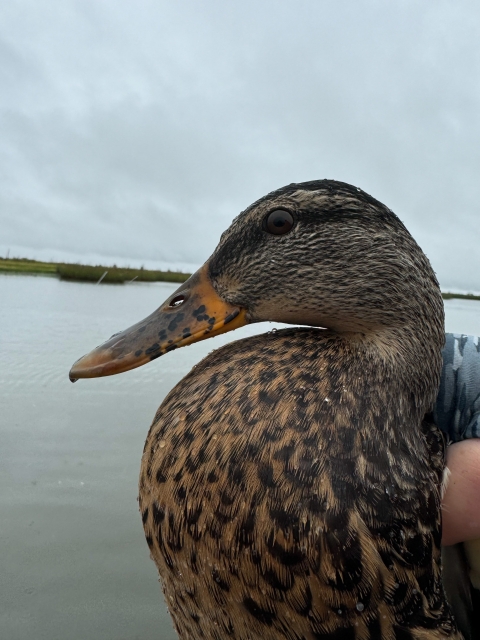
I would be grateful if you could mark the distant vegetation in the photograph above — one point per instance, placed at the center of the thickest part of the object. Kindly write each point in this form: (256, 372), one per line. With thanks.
(119, 275)
(86, 273)
(19, 265)
(462, 296)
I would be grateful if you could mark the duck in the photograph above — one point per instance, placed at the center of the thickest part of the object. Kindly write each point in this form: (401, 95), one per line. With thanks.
(290, 484)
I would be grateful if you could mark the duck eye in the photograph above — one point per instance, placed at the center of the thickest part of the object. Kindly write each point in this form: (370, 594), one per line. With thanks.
(278, 222)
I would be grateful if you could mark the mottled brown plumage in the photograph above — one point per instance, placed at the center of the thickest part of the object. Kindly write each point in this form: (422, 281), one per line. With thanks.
(290, 484)
(283, 497)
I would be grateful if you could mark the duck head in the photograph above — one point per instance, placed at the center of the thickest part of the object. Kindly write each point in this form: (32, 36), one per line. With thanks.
(320, 253)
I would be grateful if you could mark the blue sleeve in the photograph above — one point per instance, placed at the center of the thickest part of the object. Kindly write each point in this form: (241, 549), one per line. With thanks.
(457, 409)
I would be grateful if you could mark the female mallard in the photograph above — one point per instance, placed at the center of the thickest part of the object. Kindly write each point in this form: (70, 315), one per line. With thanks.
(290, 484)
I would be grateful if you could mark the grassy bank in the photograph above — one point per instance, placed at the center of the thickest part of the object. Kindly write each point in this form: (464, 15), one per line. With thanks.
(116, 274)
(461, 296)
(86, 273)
(19, 265)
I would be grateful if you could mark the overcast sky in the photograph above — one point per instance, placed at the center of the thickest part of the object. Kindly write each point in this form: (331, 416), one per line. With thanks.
(135, 131)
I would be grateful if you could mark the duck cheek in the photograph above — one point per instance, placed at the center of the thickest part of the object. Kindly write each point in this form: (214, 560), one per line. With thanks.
(194, 312)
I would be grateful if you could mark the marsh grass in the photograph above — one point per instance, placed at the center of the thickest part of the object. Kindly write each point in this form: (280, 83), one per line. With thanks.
(19, 265)
(86, 273)
(463, 296)
(116, 274)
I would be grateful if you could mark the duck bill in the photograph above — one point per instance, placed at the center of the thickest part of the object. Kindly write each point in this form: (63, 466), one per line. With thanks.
(193, 312)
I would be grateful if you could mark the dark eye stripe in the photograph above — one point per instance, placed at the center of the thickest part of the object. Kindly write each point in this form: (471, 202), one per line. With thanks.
(278, 222)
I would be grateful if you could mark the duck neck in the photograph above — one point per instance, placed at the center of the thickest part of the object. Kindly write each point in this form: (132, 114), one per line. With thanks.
(405, 360)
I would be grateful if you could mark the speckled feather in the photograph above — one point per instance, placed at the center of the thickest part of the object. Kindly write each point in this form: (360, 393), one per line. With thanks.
(290, 484)
(279, 504)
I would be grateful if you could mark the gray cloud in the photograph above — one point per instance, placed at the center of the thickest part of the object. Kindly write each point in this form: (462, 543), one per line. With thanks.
(138, 130)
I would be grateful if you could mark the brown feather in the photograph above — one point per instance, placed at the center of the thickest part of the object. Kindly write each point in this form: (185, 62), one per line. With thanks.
(279, 503)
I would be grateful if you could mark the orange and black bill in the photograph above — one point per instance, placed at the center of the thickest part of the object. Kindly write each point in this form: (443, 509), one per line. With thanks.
(194, 312)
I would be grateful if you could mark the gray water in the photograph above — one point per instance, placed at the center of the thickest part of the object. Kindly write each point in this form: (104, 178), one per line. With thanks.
(73, 560)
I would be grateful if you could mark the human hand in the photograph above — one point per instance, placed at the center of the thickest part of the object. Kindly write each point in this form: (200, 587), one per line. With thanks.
(461, 502)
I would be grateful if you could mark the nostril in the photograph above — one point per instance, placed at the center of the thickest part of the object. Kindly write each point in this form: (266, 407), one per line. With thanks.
(177, 300)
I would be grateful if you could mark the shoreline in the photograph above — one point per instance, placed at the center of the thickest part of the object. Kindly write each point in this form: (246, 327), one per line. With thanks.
(121, 275)
(88, 273)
